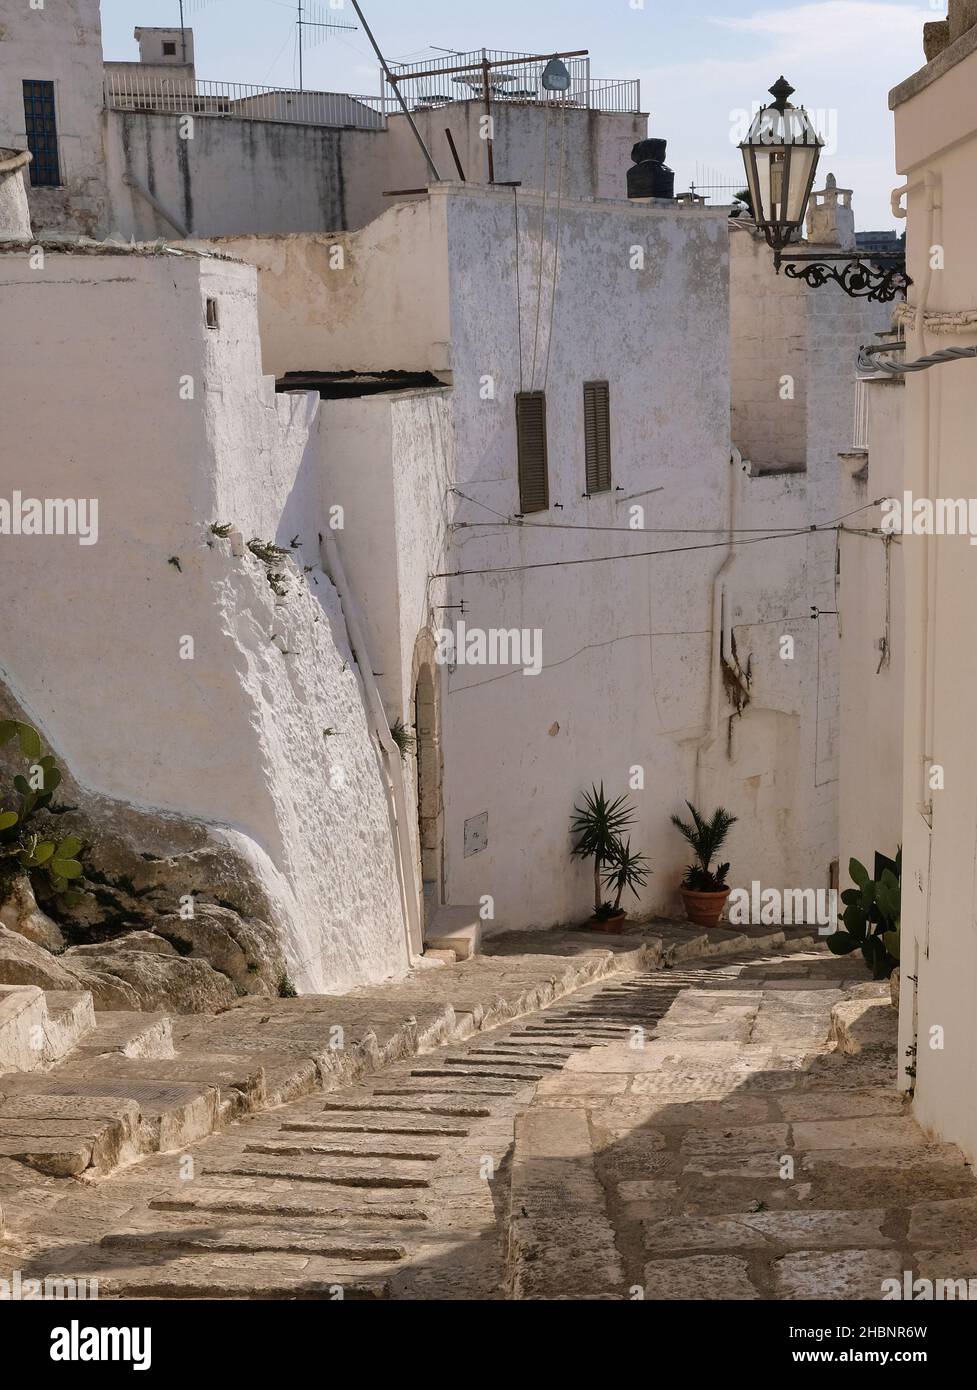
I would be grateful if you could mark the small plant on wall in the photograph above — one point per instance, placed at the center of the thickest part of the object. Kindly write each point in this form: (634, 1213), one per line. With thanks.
(598, 825)
(28, 844)
(873, 910)
(704, 888)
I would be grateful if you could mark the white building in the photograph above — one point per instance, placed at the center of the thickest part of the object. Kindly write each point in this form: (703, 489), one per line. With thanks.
(936, 152)
(549, 416)
(665, 675)
(146, 149)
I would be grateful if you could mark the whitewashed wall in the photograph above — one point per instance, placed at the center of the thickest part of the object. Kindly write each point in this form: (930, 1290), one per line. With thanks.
(235, 736)
(60, 43)
(363, 301)
(626, 643)
(936, 143)
(871, 598)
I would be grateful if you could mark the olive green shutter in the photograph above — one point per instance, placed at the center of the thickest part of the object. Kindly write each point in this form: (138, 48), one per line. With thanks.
(534, 490)
(597, 435)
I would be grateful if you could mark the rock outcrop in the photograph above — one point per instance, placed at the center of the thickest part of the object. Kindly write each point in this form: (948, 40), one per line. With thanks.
(20, 913)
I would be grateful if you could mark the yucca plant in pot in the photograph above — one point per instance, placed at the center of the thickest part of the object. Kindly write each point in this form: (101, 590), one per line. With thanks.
(628, 870)
(598, 825)
(704, 889)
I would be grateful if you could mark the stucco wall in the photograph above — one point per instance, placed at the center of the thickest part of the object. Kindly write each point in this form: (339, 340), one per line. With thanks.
(768, 337)
(234, 736)
(233, 176)
(626, 643)
(589, 152)
(936, 135)
(871, 680)
(379, 304)
(61, 44)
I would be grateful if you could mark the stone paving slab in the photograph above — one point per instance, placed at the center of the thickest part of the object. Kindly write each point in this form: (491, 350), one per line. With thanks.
(560, 1239)
(688, 1178)
(784, 1165)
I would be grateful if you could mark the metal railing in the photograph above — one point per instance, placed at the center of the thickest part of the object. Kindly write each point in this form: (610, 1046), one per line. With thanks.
(131, 91)
(432, 83)
(424, 90)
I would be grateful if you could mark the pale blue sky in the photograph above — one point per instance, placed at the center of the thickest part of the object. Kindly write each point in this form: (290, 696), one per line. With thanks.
(699, 61)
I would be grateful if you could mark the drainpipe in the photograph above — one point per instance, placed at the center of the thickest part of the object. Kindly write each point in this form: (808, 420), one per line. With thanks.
(132, 182)
(721, 625)
(925, 453)
(394, 764)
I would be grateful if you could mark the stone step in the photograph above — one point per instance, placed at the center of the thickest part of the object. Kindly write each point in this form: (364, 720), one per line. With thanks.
(509, 1062)
(246, 1240)
(71, 1019)
(68, 1135)
(39, 1027)
(457, 929)
(496, 1073)
(130, 1034)
(222, 1201)
(243, 1083)
(379, 1125)
(475, 1086)
(23, 1028)
(860, 1025)
(401, 1103)
(359, 1147)
(364, 1173)
(531, 1053)
(247, 1277)
(171, 1115)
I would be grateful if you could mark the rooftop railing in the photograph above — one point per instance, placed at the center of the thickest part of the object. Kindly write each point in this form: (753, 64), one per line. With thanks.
(436, 82)
(134, 91)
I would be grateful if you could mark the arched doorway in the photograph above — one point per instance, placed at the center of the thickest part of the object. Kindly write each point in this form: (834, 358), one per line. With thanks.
(430, 807)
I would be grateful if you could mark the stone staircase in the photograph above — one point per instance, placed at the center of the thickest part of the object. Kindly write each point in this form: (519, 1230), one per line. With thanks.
(84, 1093)
(39, 1027)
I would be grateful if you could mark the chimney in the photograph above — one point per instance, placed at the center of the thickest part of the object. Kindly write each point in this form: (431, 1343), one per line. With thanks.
(650, 176)
(830, 220)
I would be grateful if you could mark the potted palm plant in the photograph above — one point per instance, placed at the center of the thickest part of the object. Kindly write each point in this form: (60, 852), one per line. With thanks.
(704, 889)
(598, 825)
(627, 870)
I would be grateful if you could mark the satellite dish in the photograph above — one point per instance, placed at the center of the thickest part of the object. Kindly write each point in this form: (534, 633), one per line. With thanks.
(556, 78)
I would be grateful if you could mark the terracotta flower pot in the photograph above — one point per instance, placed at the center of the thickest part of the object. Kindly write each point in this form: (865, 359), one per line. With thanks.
(704, 909)
(609, 924)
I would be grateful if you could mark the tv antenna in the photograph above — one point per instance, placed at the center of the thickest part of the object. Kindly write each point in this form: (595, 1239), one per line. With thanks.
(317, 23)
(190, 7)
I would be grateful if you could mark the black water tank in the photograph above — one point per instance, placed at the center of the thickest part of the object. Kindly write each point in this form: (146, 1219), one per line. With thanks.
(650, 177)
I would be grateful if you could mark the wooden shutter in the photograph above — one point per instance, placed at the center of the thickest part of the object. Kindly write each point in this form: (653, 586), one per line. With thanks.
(597, 435)
(534, 489)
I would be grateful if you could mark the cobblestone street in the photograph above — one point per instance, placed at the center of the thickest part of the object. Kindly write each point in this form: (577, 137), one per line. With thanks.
(723, 1130)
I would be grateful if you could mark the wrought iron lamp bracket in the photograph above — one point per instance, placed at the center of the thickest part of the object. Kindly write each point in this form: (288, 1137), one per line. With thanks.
(879, 277)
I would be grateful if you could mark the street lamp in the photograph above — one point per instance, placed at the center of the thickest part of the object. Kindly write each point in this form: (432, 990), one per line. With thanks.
(781, 157)
(556, 76)
(781, 154)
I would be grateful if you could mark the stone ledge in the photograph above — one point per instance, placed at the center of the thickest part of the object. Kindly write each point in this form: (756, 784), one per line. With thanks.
(950, 56)
(864, 1024)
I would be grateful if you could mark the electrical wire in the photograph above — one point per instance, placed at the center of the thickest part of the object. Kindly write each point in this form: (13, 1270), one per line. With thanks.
(648, 530)
(643, 554)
